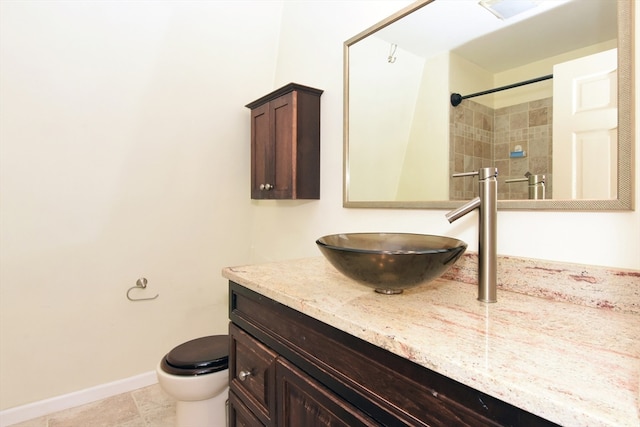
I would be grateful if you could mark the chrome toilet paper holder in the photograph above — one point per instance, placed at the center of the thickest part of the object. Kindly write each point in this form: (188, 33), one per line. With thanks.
(141, 283)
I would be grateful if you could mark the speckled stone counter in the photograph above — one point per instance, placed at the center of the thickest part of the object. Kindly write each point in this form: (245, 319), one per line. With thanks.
(574, 364)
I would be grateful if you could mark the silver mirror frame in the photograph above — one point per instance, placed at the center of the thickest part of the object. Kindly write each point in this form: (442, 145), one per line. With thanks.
(626, 130)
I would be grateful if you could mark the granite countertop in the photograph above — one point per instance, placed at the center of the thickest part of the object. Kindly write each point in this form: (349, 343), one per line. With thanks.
(569, 363)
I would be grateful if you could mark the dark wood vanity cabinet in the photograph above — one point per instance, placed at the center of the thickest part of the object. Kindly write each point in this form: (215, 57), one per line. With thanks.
(287, 369)
(285, 144)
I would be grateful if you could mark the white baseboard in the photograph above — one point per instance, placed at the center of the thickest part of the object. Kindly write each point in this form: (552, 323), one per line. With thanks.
(77, 398)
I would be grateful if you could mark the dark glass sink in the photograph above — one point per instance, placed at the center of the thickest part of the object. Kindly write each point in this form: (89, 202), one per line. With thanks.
(391, 262)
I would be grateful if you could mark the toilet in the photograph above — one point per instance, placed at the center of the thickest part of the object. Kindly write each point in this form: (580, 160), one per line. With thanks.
(196, 374)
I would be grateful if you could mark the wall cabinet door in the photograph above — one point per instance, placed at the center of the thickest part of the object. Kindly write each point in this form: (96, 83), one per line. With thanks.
(273, 146)
(262, 153)
(285, 144)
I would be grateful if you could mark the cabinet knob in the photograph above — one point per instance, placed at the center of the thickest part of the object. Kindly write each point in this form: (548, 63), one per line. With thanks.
(266, 186)
(243, 375)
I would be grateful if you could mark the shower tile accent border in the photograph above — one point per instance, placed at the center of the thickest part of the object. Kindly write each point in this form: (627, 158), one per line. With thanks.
(588, 285)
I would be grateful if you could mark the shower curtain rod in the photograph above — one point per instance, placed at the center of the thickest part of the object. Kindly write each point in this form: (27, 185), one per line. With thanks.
(456, 98)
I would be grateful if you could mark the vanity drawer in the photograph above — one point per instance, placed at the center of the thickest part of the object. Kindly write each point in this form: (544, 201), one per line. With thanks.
(252, 373)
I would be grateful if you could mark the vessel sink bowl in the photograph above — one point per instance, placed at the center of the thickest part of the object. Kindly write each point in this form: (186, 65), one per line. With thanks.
(391, 262)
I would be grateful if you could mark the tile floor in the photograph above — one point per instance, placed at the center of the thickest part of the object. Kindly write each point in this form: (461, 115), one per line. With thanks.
(146, 407)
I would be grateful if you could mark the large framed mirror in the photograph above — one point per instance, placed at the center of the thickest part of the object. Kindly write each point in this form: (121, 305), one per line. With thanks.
(449, 86)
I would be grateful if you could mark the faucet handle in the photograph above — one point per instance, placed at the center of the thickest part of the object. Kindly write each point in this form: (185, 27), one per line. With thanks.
(509, 181)
(483, 173)
(456, 175)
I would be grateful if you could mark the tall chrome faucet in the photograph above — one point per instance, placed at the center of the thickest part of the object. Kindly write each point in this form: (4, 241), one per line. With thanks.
(487, 203)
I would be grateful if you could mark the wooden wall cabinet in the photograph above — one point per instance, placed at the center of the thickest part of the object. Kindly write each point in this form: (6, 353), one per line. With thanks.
(285, 144)
(287, 369)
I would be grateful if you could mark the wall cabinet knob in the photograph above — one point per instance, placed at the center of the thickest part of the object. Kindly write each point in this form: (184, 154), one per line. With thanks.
(243, 375)
(266, 186)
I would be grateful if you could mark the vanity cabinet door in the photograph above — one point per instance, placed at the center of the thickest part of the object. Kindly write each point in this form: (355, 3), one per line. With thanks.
(302, 401)
(239, 415)
(285, 144)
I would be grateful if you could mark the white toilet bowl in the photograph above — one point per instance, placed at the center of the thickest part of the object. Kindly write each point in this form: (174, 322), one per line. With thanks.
(196, 375)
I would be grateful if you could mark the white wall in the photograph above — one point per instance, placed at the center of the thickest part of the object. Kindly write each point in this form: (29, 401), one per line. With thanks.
(124, 152)
(380, 136)
(426, 164)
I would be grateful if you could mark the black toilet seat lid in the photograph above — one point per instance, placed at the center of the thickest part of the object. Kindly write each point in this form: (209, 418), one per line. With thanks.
(210, 352)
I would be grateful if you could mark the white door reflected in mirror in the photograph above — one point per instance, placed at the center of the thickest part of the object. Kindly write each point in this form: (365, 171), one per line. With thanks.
(585, 127)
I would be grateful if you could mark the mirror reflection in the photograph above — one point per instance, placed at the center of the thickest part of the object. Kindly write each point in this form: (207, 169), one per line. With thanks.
(535, 94)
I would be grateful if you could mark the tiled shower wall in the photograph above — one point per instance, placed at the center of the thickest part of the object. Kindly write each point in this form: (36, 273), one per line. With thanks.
(470, 146)
(482, 137)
